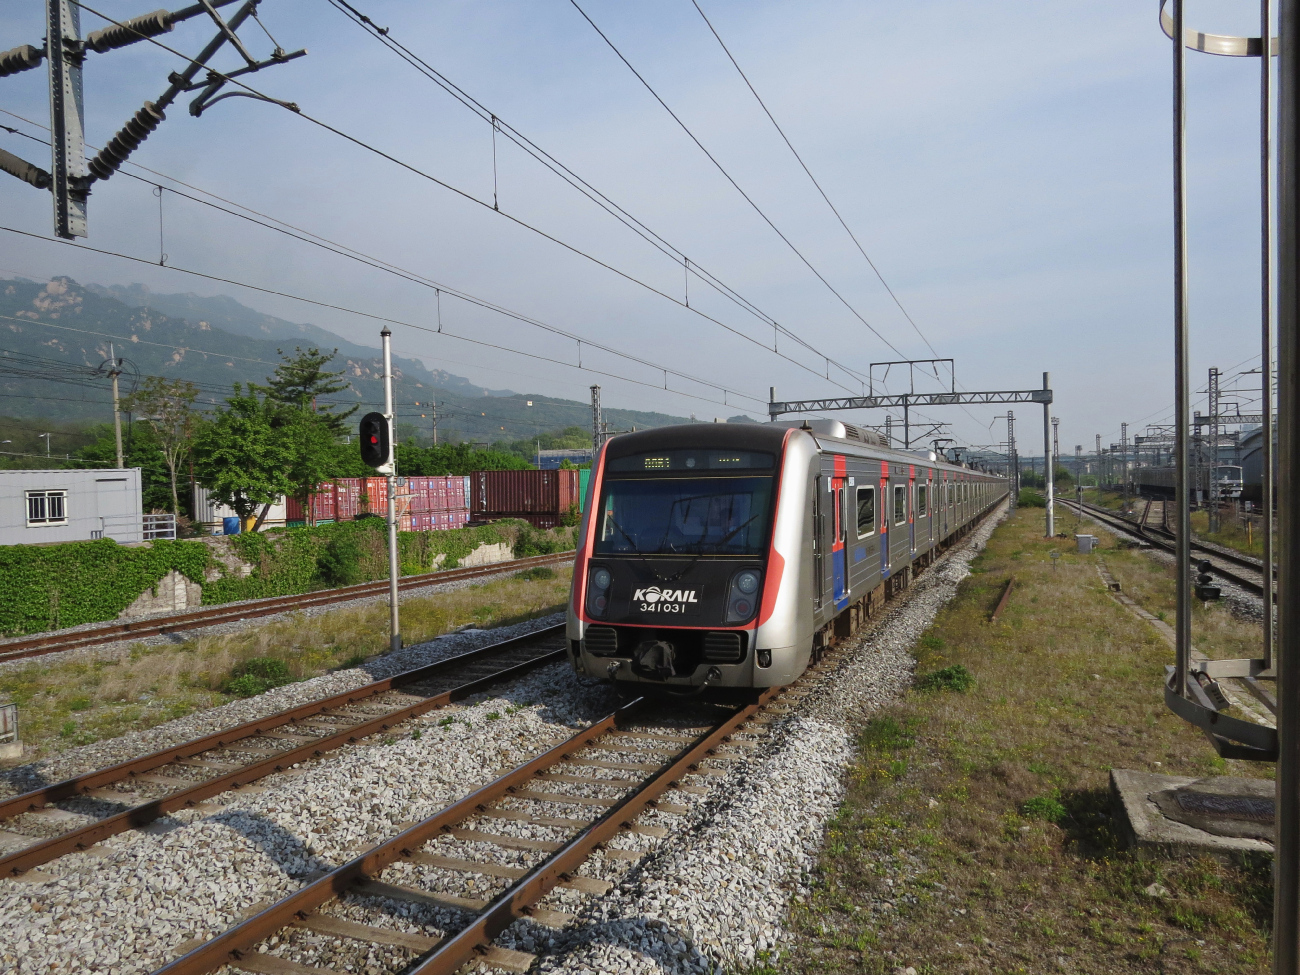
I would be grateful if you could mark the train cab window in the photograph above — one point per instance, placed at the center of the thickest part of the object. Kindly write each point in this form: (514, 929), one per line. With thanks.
(866, 511)
(922, 502)
(900, 504)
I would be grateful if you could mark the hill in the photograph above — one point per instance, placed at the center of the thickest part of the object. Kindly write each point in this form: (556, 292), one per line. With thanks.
(53, 335)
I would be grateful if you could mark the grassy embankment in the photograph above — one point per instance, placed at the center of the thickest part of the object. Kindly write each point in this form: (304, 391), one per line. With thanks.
(1231, 534)
(976, 834)
(66, 704)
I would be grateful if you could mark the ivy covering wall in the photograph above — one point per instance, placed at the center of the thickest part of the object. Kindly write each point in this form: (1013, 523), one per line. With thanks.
(46, 587)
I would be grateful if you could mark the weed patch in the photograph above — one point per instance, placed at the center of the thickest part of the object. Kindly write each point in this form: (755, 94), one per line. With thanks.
(954, 678)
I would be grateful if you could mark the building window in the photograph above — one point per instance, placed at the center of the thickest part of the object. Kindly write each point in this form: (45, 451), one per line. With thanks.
(900, 504)
(866, 511)
(47, 508)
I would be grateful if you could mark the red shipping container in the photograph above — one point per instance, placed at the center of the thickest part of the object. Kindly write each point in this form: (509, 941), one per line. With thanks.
(322, 503)
(544, 495)
(376, 492)
(347, 495)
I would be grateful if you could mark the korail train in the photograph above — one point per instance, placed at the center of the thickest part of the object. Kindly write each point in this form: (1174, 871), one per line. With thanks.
(730, 555)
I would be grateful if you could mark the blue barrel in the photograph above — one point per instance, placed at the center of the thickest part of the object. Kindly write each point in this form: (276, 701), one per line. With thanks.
(230, 526)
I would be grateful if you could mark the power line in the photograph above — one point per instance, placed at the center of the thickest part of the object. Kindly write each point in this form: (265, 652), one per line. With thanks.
(392, 321)
(361, 143)
(732, 181)
(385, 37)
(415, 278)
(795, 152)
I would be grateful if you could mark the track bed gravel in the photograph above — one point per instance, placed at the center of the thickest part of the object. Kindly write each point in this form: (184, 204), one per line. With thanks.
(714, 896)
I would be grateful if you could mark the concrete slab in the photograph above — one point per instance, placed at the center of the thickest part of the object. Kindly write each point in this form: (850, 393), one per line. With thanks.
(1224, 804)
(11, 751)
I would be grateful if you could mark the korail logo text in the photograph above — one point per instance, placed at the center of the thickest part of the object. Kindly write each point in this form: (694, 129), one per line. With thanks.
(652, 599)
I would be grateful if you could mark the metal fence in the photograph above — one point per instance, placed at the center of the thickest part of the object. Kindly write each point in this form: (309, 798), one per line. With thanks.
(159, 526)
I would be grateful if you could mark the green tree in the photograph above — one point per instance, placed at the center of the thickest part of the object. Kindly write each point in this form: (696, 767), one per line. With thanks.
(309, 445)
(139, 449)
(240, 456)
(301, 381)
(167, 405)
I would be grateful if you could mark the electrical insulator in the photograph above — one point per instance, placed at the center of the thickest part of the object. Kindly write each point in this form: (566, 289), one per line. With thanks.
(125, 142)
(22, 58)
(129, 32)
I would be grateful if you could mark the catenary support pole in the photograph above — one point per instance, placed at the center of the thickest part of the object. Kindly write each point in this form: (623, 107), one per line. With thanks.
(1286, 895)
(116, 371)
(1266, 313)
(1047, 460)
(1182, 404)
(394, 626)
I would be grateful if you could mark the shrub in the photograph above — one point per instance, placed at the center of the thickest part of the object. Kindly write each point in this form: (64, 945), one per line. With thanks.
(955, 678)
(536, 572)
(257, 675)
(885, 735)
(339, 562)
(1047, 808)
(1031, 499)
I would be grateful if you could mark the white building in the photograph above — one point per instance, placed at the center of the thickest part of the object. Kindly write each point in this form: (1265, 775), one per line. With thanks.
(71, 506)
(209, 514)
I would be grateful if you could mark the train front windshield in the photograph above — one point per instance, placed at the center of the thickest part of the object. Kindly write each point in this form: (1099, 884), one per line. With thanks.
(685, 516)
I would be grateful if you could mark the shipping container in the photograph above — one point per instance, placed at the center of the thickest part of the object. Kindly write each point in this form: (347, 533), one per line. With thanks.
(347, 498)
(376, 495)
(321, 503)
(584, 482)
(539, 497)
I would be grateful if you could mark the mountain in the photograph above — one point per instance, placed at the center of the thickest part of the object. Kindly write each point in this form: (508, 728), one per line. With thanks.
(53, 335)
(229, 315)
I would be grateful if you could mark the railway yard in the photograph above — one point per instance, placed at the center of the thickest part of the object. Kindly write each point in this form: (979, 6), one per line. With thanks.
(128, 868)
(399, 817)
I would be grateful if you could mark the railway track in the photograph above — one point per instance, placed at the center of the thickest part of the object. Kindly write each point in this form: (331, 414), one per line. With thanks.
(580, 794)
(1242, 570)
(38, 645)
(44, 824)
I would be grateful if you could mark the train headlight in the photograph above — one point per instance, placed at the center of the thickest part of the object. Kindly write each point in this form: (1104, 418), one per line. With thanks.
(598, 582)
(742, 598)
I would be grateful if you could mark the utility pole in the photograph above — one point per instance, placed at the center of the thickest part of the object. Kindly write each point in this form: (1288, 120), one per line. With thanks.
(1123, 463)
(1056, 443)
(1100, 479)
(116, 370)
(1213, 499)
(597, 433)
(1047, 460)
(1013, 459)
(394, 627)
(66, 50)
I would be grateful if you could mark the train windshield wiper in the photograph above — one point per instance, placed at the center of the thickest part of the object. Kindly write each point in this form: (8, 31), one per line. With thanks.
(735, 531)
(623, 531)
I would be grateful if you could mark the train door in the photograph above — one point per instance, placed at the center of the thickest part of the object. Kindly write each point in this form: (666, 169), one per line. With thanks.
(818, 539)
(883, 508)
(839, 551)
(911, 511)
(929, 508)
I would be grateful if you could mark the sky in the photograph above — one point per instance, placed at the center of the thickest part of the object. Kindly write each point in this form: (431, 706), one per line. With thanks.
(1006, 166)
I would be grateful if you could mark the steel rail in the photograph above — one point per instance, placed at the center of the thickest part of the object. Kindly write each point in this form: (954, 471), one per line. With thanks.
(37, 645)
(230, 947)
(1152, 535)
(81, 838)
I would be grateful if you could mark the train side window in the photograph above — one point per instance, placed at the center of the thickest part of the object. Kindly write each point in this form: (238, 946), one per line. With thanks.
(922, 502)
(949, 493)
(866, 511)
(900, 504)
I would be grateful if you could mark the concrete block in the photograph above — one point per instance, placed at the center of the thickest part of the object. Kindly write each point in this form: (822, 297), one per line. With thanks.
(1171, 813)
(11, 751)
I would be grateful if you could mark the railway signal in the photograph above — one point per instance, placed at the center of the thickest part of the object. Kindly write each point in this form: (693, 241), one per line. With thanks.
(377, 443)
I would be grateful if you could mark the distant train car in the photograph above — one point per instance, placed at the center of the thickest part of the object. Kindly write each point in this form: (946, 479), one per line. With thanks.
(1158, 482)
(727, 555)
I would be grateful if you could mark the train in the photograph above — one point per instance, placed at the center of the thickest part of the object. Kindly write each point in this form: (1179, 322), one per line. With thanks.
(1158, 482)
(731, 555)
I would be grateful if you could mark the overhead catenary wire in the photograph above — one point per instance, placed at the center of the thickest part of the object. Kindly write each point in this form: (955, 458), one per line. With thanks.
(465, 194)
(730, 179)
(386, 319)
(795, 152)
(384, 36)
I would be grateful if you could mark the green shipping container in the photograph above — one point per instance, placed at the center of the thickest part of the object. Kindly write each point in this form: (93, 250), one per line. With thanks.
(584, 481)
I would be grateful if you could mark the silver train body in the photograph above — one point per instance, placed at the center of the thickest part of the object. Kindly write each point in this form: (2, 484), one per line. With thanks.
(727, 555)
